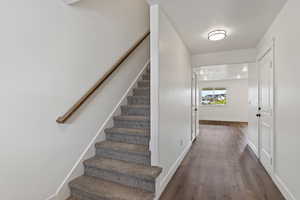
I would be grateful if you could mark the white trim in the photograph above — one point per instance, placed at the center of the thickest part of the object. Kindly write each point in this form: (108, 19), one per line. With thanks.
(233, 63)
(154, 89)
(164, 182)
(52, 197)
(264, 49)
(274, 106)
(276, 179)
(283, 188)
(77, 170)
(268, 47)
(253, 148)
(225, 79)
(193, 107)
(195, 97)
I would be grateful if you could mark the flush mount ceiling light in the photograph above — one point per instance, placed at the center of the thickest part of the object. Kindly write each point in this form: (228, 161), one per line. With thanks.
(69, 2)
(217, 35)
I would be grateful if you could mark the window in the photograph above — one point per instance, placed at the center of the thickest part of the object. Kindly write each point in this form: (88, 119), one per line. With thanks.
(214, 96)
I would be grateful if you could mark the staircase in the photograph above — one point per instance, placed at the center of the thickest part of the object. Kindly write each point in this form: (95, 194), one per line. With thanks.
(121, 168)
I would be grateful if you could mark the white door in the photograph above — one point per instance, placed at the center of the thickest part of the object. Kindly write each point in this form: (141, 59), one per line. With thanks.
(195, 104)
(266, 109)
(253, 79)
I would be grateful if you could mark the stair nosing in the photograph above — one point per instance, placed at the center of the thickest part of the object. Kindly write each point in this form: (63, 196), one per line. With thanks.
(132, 117)
(136, 106)
(142, 88)
(139, 173)
(75, 184)
(146, 97)
(144, 81)
(128, 131)
(100, 145)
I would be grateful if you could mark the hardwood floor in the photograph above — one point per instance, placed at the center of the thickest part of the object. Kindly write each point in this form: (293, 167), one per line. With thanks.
(221, 167)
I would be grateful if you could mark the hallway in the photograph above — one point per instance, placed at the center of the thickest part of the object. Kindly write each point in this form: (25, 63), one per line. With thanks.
(221, 167)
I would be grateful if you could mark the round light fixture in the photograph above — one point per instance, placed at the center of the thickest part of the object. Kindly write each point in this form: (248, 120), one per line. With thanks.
(245, 69)
(217, 35)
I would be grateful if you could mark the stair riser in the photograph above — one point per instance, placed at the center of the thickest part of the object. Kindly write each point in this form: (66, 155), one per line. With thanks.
(146, 77)
(141, 92)
(129, 157)
(85, 196)
(135, 111)
(131, 124)
(136, 100)
(144, 84)
(140, 183)
(115, 137)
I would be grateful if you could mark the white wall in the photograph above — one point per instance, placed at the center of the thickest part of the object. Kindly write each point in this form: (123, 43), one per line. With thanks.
(224, 57)
(174, 97)
(51, 54)
(253, 107)
(286, 31)
(236, 108)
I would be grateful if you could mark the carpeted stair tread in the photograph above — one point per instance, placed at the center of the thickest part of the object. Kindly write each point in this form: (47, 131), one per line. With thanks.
(73, 198)
(139, 97)
(100, 189)
(146, 77)
(122, 167)
(129, 131)
(132, 118)
(136, 110)
(141, 91)
(142, 88)
(138, 100)
(144, 83)
(124, 147)
(137, 106)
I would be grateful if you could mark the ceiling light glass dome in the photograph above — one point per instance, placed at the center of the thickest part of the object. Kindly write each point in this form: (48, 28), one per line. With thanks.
(217, 35)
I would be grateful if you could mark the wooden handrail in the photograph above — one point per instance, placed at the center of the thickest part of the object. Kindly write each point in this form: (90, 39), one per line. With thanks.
(76, 106)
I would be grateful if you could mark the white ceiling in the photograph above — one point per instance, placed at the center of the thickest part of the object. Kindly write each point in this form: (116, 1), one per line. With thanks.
(245, 20)
(223, 72)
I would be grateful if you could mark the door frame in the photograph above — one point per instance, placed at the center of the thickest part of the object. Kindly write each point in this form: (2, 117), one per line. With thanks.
(194, 113)
(269, 47)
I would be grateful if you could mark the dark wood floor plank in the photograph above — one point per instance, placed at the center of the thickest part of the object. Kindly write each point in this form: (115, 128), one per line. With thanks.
(220, 166)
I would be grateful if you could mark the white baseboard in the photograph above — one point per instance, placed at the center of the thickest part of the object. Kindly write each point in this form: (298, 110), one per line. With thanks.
(253, 148)
(63, 191)
(283, 188)
(165, 180)
(276, 179)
